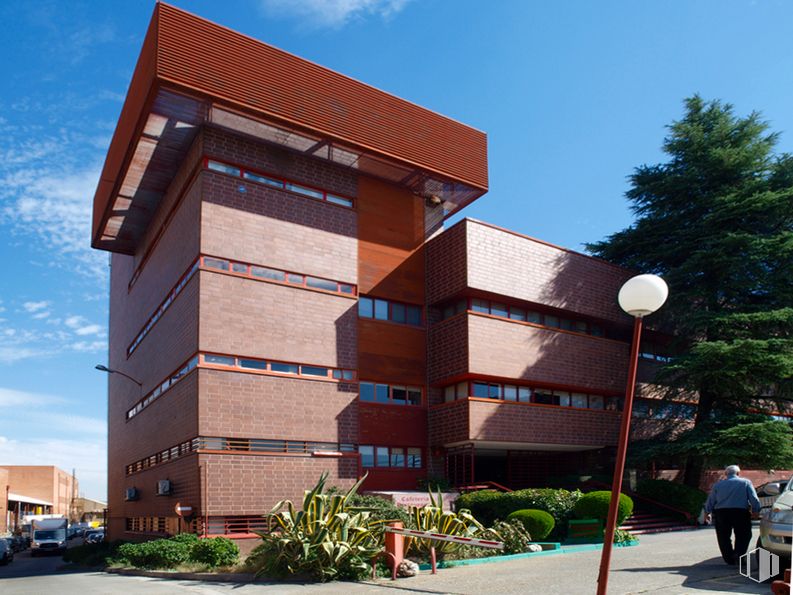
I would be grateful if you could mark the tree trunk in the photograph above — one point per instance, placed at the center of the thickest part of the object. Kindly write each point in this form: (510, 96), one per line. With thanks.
(695, 463)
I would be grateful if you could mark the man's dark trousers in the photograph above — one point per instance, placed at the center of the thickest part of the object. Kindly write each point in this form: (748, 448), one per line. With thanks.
(728, 520)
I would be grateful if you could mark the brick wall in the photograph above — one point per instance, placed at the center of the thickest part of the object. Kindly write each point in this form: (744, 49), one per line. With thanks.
(43, 482)
(449, 423)
(185, 484)
(276, 228)
(252, 484)
(448, 347)
(506, 422)
(509, 264)
(4, 489)
(258, 319)
(235, 404)
(447, 264)
(519, 351)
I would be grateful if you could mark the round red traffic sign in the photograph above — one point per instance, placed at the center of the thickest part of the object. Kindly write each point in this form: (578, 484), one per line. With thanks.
(183, 510)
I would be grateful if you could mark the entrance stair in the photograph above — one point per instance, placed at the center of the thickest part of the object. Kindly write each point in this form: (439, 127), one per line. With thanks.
(645, 523)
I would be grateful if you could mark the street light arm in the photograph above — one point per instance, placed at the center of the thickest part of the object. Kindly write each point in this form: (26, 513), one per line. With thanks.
(102, 368)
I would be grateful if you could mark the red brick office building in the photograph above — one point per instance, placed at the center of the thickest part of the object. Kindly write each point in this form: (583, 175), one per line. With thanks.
(284, 291)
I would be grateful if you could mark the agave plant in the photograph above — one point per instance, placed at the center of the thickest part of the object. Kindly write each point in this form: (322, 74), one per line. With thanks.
(326, 540)
(433, 518)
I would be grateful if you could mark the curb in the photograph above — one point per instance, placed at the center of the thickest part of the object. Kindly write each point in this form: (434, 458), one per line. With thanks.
(227, 577)
(572, 549)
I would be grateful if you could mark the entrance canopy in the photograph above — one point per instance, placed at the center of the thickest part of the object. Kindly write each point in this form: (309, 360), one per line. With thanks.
(12, 497)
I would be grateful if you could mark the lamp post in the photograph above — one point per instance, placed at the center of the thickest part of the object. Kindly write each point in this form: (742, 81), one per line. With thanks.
(102, 368)
(639, 296)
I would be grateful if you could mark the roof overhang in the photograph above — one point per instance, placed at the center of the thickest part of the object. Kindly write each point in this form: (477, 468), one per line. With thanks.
(192, 72)
(27, 499)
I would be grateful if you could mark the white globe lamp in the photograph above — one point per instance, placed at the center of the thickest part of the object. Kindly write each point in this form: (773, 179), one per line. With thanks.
(642, 295)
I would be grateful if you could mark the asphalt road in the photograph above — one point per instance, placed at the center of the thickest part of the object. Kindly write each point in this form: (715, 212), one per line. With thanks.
(665, 564)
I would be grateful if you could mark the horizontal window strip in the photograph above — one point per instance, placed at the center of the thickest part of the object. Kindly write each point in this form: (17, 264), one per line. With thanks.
(146, 524)
(166, 303)
(520, 314)
(391, 457)
(271, 275)
(272, 445)
(386, 394)
(526, 394)
(163, 387)
(274, 181)
(163, 456)
(389, 310)
(276, 368)
(267, 367)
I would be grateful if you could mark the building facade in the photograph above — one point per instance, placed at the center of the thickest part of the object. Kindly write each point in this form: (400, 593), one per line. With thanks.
(285, 294)
(35, 489)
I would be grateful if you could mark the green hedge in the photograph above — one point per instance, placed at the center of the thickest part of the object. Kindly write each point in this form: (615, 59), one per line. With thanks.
(595, 505)
(673, 494)
(488, 506)
(538, 523)
(92, 554)
(181, 549)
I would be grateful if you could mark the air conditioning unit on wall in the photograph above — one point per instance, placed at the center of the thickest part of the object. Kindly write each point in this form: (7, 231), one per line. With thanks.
(131, 494)
(164, 487)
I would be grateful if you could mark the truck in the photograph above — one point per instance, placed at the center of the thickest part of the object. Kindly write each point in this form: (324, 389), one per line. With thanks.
(48, 535)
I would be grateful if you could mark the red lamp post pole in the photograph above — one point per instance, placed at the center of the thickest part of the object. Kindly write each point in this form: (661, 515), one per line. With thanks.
(619, 466)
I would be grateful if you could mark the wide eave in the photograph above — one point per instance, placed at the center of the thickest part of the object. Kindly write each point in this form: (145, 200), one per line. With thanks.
(193, 72)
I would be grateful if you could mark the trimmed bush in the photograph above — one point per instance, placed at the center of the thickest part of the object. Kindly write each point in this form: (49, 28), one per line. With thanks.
(215, 551)
(489, 506)
(92, 554)
(538, 523)
(160, 553)
(595, 505)
(673, 494)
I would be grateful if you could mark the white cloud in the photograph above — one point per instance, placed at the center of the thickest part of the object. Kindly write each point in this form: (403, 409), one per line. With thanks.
(18, 398)
(35, 306)
(89, 346)
(90, 329)
(41, 315)
(332, 13)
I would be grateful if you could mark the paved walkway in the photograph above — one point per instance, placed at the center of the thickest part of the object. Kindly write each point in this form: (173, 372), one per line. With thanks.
(664, 564)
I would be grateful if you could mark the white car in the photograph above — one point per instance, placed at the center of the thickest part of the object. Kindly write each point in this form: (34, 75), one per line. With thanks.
(776, 522)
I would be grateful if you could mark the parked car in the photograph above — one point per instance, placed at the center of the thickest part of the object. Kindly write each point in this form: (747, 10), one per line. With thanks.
(6, 552)
(767, 497)
(95, 536)
(20, 543)
(776, 521)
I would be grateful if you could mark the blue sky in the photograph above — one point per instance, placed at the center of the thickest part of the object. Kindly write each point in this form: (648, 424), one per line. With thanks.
(573, 95)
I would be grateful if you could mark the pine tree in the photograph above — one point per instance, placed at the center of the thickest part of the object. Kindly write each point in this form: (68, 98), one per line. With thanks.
(716, 222)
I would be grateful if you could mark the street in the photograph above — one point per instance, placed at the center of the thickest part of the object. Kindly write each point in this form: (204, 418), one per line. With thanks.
(663, 564)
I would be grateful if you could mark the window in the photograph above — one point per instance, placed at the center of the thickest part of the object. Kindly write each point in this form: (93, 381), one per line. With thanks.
(253, 364)
(263, 179)
(223, 168)
(499, 310)
(534, 317)
(216, 263)
(366, 391)
(579, 401)
(304, 190)
(397, 457)
(283, 368)
(238, 267)
(394, 457)
(524, 394)
(367, 455)
(276, 182)
(596, 402)
(544, 398)
(517, 313)
(313, 371)
(265, 273)
(482, 306)
(552, 321)
(449, 393)
(380, 309)
(222, 360)
(294, 278)
(564, 398)
(480, 389)
(399, 313)
(322, 284)
(394, 395)
(365, 307)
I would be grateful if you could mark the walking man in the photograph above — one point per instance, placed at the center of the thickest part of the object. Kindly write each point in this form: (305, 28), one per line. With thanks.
(729, 503)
